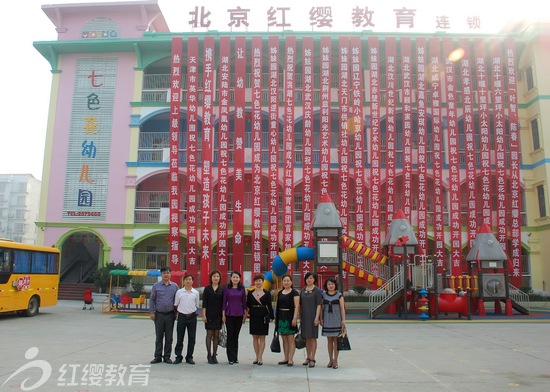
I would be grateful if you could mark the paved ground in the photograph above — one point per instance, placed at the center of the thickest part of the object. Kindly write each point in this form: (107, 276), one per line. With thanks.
(67, 346)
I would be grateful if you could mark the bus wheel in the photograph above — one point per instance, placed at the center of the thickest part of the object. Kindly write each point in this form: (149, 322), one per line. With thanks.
(33, 307)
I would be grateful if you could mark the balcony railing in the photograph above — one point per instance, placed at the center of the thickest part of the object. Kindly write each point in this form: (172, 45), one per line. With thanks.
(152, 207)
(156, 88)
(154, 147)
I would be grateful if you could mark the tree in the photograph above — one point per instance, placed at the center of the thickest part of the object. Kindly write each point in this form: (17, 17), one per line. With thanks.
(101, 277)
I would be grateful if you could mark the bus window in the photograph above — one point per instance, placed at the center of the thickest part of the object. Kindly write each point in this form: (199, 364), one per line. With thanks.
(53, 264)
(5, 261)
(22, 262)
(39, 263)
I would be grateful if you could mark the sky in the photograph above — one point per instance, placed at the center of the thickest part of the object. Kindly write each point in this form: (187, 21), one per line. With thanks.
(26, 77)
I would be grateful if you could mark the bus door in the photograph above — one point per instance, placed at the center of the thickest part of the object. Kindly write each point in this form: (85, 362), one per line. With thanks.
(5, 273)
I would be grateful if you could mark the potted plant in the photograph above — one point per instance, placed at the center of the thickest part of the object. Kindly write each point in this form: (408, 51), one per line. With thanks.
(137, 289)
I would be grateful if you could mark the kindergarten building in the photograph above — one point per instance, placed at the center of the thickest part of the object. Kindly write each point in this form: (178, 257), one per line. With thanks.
(210, 150)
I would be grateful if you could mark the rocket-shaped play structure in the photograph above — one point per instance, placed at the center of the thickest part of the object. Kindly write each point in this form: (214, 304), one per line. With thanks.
(492, 262)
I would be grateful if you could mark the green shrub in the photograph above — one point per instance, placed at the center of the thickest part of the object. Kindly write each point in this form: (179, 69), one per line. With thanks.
(359, 289)
(101, 277)
(137, 288)
(355, 298)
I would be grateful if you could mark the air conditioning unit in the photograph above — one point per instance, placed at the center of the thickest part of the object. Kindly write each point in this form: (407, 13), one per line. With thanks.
(166, 155)
(164, 216)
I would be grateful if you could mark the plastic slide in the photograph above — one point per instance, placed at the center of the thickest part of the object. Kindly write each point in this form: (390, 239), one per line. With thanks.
(279, 267)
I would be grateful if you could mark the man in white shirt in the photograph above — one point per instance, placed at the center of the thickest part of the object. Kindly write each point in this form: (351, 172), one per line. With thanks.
(186, 303)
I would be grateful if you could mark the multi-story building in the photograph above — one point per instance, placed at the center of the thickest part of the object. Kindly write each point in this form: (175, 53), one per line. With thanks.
(19, 201)
(211, 150)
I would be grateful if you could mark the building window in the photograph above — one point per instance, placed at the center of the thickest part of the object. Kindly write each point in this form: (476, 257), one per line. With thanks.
(529, 78)
(535, 134)
(542, 200)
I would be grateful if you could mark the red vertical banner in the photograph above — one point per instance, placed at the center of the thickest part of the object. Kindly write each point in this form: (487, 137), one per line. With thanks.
(343, 154)
(469, 140)
(437, 150)
(325, 117)
(422, 141)
(500, 142)
(307, 166)
(223, 152)
(345, 130)
(514, 164)
(257, 154)
(175, 103)
(391, 96)
(407, 121)
(192, 155)
(374, 73)
(454, 160)
(273, 108)
(207, 155)
(238, 151)
(288, 148)
(484, 129)
(357, 123)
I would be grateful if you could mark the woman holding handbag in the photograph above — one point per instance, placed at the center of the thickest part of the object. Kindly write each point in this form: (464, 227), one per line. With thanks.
(261, 314)
(212, 315)
(311, 301)
(287, 310)
(333, 319)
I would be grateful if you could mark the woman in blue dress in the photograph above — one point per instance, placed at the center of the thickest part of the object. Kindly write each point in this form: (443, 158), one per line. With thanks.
(333, 319)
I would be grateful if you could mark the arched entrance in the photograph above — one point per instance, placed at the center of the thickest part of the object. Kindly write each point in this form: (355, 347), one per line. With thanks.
(82, 253)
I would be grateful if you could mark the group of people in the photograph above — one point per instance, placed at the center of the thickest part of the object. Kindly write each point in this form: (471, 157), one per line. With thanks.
(229, 306)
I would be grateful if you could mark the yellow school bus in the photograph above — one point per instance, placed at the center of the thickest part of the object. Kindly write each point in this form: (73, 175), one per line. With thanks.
(29, 277)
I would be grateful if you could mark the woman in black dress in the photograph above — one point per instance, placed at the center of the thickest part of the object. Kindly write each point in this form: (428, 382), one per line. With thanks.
(287, 310)
(258, 302)
(212, 314)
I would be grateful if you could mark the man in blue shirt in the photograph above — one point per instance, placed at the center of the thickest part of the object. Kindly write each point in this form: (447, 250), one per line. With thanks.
(163, 314)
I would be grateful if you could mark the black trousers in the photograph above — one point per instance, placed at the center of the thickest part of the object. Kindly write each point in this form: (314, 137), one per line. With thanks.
(164, 330)
(188, 323)
(233, 325)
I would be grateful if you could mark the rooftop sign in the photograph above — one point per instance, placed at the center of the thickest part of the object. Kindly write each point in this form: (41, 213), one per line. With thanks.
(326, 16)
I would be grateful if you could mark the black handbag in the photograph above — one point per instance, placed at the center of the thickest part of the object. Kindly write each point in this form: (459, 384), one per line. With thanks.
(299, 340)
(275, 343)
(343, 341)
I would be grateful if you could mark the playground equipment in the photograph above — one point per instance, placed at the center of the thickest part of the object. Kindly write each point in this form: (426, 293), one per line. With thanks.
(404, 285)
(491, 263)
(417, 285)
(116, 302)
(449, 301)
(280, 263)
